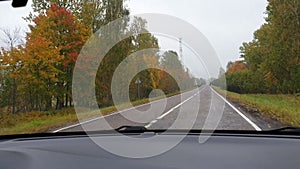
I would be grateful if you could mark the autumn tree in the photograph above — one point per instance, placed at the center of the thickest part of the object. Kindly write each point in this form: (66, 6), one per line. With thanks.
(236, 67)
(92, 13)
(64, 32)
(39, 73)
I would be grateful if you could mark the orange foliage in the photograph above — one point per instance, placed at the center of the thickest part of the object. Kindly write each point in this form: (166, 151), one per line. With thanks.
(236, 67)
(60, 27)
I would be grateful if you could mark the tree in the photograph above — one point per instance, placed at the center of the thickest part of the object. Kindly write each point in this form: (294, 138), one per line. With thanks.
(12, 37)
(229, 64)
(170, 62)
(92, 13)
(236, 67)
(275, 51)
(200, 81)
(121, 51)
(38, 73)
(13, 40)
(221, 80)
(10, 64)
(64, 32)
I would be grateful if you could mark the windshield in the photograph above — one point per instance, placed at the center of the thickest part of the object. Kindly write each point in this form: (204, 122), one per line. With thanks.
(87, 65)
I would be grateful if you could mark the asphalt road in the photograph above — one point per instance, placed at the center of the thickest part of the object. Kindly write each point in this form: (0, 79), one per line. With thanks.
(201, 108)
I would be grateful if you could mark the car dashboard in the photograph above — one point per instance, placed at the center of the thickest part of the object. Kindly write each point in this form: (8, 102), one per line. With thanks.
(220, 151)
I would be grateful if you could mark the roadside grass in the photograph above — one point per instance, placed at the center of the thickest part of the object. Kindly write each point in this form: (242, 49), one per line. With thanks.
(284, 107)
(37, 122)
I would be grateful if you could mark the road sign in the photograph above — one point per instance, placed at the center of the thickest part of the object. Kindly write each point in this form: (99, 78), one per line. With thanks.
(138, 81)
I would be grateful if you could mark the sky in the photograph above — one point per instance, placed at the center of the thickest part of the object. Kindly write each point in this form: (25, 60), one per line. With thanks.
(12, 17)
(225, 23)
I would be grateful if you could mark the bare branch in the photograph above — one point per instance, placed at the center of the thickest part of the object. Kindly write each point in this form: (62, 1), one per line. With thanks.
(12, 37)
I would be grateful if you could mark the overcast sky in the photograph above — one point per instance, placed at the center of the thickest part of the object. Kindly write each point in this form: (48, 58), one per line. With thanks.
(226, 23)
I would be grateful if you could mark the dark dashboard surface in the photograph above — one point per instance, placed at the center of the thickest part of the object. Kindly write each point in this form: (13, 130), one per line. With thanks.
(219, 152)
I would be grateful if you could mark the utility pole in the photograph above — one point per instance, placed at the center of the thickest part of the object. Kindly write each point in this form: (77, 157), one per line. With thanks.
(180, 49)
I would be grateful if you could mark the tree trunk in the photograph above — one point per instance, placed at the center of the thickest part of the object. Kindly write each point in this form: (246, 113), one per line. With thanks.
(14, 93)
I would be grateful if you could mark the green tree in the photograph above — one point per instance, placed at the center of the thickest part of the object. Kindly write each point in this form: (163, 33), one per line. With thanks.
(170, 62)
(275, 51)
(121, 51)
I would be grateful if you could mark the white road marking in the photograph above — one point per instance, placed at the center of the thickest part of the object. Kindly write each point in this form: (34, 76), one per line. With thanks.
(78, 124)
(240, 113)
(150, 124)
(172, 109)
(101, 117)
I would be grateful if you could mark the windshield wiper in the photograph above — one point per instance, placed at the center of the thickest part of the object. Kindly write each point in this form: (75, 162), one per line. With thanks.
(132, 128)
(287, 129)
(138, 129)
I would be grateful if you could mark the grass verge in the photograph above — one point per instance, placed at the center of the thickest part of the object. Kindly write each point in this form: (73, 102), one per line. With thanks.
(285, 108)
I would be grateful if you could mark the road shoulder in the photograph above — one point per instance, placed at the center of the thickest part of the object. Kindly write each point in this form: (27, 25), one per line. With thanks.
(261, 119)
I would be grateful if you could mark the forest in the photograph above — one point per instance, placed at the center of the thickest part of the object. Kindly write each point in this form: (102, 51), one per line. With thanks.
(36, 72)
